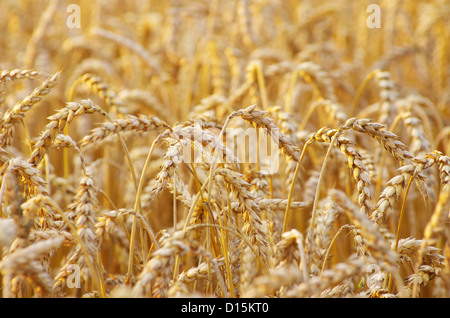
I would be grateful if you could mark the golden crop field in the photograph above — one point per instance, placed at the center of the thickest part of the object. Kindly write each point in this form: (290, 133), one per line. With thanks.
(224, 149)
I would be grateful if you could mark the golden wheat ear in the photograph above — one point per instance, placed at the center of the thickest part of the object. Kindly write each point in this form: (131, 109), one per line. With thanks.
(224, 149)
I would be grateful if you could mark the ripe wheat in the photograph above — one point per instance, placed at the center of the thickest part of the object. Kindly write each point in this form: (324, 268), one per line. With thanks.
(127, 147)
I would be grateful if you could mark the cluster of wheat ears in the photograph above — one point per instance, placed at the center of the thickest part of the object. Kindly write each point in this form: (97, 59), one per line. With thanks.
(97, 199)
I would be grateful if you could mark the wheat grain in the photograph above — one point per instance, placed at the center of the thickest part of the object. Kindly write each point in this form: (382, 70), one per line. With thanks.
(130, 123)
(269, 285)
(31, 177)
(258, 119)
(319, 241)
(359, 171)
(328, 278)
(392, 192)
(160, 263)
(18, 111)
(253, 224)
(85, 219)
(57, 124)
(389, 140)
(22, 261)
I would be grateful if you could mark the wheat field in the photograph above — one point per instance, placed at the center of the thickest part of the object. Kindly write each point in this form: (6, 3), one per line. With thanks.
(104, 103)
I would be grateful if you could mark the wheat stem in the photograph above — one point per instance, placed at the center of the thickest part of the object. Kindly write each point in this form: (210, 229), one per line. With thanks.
(291, 190)
(322, 174)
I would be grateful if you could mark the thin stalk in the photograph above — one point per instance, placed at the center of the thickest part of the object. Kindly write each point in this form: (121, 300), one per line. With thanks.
(47, 171)
(288, 105)
(317, 96)
(322, 173)
(246, 241)
(331, 244)
(291, 191)
(137, 204)
(361, 89)
(271, 186)
(137, 201)
(307, 116)
(220, 137)
(384, 156)
(174, 210)
(66, 129)
(27, 135)
(262, 86)
(402, 212)
(257, 150)
(224, 246)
